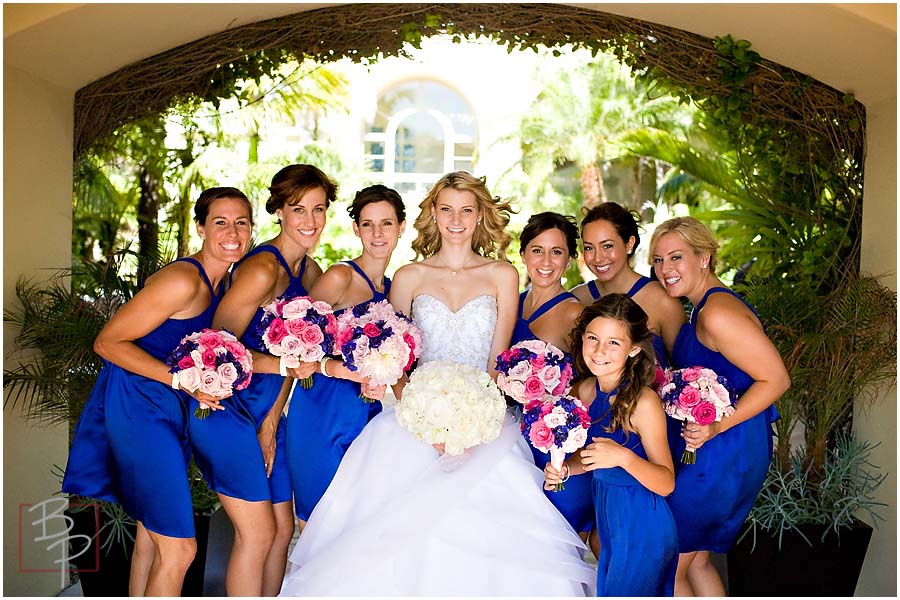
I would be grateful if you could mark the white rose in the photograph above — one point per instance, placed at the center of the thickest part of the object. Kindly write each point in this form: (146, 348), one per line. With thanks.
(228, 373)
(211, 383)
(520, 371)
(576, 440)
(555, 418)
(189, 378)
(295, 308)
(536, 346)
(517, 391)
(291, 344)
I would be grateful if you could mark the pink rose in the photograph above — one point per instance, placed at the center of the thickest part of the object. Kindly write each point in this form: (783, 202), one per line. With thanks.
(519, 371)
(344, 335)
(690, 374)
(210, 338)
(371, 330)
(689, 397)
(532, 405)
(550, 375)
(276, 331)
(290, 344)
(540, 435)
(536, 346)
(321, 307)
(576, 440)
(296, 308)
(211, 383)
(538, 362)
(517, 391)
(660, 379)
(209, 358)
(534, 388)
(228, 373)
(312, 336)
(556, 418)
(411, 342)
(704, 413)
(295, 326)
(189, 378)
(236, 348)
(186, 362)
(332, 327)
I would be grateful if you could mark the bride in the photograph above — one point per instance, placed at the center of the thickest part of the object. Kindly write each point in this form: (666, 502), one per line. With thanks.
(402, 518)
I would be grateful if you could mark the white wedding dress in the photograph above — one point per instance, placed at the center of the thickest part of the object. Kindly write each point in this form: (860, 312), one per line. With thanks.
(400, 520)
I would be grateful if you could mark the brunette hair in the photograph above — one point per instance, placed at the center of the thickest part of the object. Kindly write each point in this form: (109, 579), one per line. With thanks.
(376, 193)
(290, 183)
(640, 369)
(545, 221)
(490, 239)
(210, 195)
(696, 234)
(623, 220)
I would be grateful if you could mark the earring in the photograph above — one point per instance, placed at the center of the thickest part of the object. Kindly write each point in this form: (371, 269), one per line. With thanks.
(202, 237)
(703, 266)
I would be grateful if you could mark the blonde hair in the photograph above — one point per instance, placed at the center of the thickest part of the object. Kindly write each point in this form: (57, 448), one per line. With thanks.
(696, 234)
(490, 239)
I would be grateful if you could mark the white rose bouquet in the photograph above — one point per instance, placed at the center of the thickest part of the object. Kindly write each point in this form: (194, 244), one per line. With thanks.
(452, 404)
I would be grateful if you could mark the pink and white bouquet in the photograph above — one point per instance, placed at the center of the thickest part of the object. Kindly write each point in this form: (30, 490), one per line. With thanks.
(557, 425)
(298, 329)
(696, 395)
(212, 361)
(532, 369)
(452, 404)
(378, 342)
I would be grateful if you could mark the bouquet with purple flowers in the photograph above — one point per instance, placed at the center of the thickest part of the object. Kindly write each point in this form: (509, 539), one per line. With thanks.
(532, 369)
(298, 329)
(557, 425)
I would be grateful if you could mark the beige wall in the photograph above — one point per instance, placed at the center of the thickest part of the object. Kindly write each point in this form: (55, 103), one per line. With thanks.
(51, 50)
(37, 229)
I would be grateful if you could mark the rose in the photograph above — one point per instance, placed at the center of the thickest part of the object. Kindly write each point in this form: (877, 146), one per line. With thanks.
(556, 417)
(296, 308)
(540, 435)
(576, 440)
(550, 375)
(689, 397)
(534, 388)
(538, 362)
(210, 338)
(331, 328)
(517, 391)
(197, 357)
(371, 330)
(519, 371)
(236, 348)
(295, 326)
(209, 358)
(276, 331)
(189, 378)
(228, 373)
(536, 346)
(211, 383)
(307, 354)
(290, 345)
(411, 343)
(312, 336)
(186, 362)
(322, 307)
(690, 374)
(704, 413)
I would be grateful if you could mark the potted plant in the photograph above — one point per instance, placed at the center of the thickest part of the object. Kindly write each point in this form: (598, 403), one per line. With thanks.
(57, 323)
(803, 536)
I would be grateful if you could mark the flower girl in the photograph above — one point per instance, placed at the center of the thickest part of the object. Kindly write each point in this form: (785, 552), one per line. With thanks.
(629, 457)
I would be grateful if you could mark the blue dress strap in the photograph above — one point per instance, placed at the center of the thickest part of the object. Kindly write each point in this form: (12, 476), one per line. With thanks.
(365, 277)
(203, 274)
(638, 286)
(593, 289)
(712, 291)
(543, 308)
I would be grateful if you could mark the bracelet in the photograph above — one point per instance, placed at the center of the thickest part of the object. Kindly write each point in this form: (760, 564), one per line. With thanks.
(176, 385)
(568, 472)
(282, 368)
(322, 362)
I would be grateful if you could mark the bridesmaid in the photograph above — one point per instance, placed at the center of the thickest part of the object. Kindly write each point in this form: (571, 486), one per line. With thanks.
(241, 450)
(324, 420)
(548, 244)
(131, 444)
(609, 234)
(629, 456)
(725, 335)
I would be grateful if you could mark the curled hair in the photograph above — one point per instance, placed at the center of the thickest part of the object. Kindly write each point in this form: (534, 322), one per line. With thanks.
(376, 193)
(293, 181)
(545, 221)
(639, 369)
(624, 221)
(490, 239)
(693, 232)
(210, 195)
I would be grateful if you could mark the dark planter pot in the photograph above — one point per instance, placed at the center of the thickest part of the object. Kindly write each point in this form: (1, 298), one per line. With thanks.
(829, 568)
(105, 572)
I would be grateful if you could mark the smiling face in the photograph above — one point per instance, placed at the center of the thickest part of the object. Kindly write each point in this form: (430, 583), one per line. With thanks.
(379, 229)
(678, 267)
(546, 257)
(227, 230)
(605, 253)
(456, 214)
(302, 222)
(606, 347)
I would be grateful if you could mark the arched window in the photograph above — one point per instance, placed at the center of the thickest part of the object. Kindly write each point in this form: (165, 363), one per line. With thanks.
(421, 130)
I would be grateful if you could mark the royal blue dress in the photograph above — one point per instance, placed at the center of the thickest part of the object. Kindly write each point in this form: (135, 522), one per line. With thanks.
(322, 423)
(638, 541)
(713, 497)
(131, 443)
(225, 443)
(659, 346)
(574, 500)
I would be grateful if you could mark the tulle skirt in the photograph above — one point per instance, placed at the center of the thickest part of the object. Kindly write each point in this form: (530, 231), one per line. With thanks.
(398, 519)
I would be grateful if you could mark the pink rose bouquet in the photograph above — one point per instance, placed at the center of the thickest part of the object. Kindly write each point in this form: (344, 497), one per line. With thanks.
(298, 329)
(557, 425)
(212, 361)
(532, 369)
(378, 342)
(696, 395)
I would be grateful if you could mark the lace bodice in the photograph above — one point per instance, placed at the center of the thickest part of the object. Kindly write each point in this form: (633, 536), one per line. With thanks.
(463, 336)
